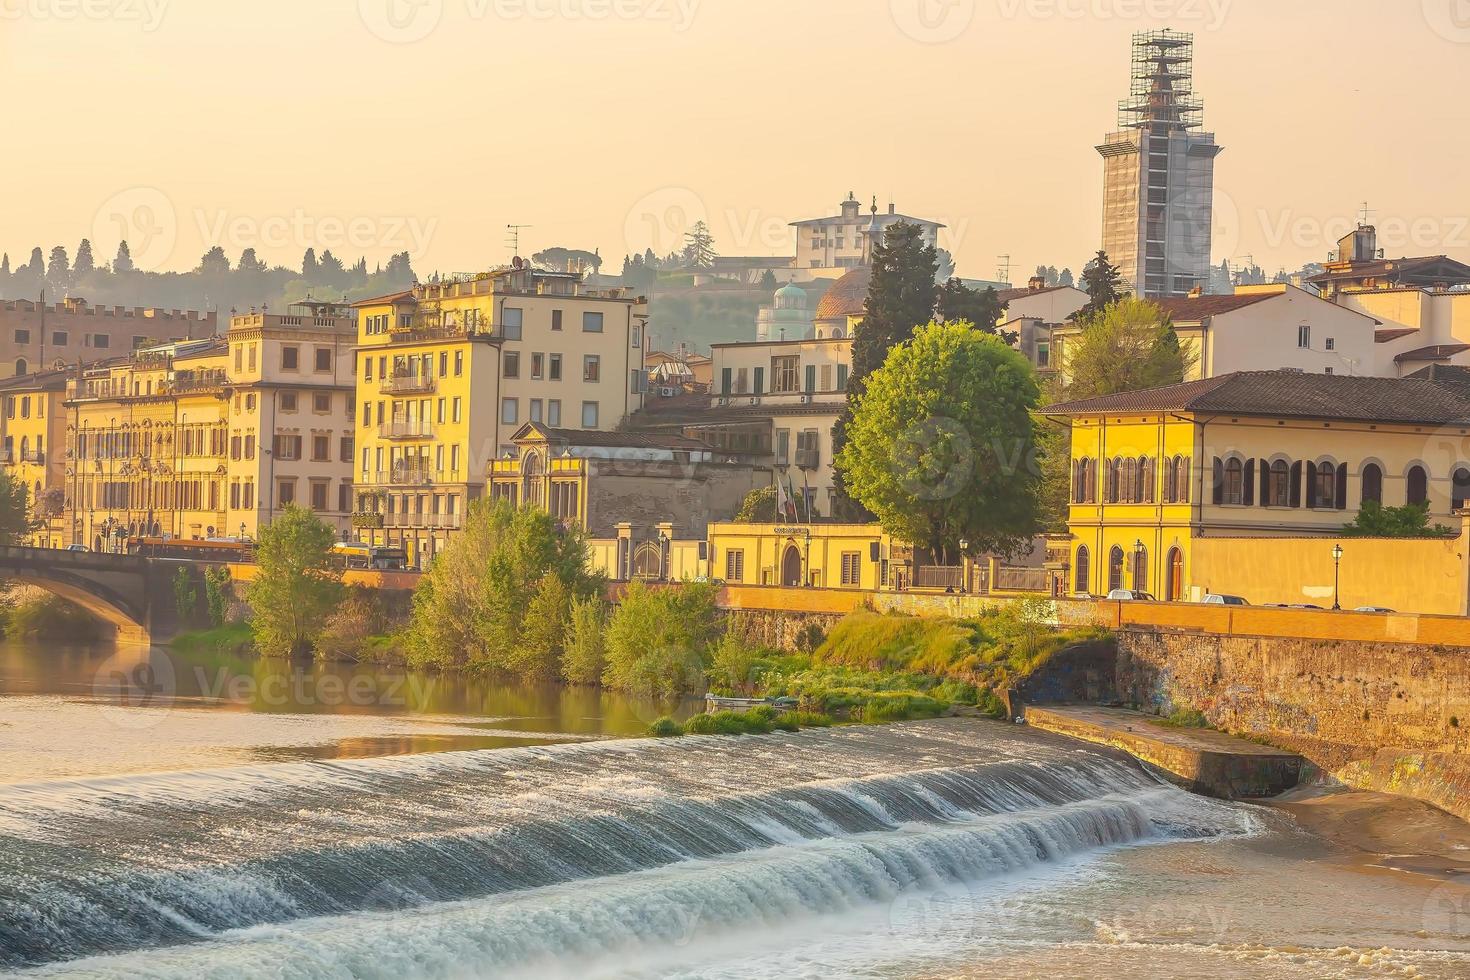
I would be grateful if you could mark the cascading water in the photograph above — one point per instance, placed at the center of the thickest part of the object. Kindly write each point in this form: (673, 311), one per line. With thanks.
(488, 862)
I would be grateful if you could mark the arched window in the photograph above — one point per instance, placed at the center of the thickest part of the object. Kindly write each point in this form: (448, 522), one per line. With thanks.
(21, 367)
(1460, 490)
(1146, 478)
(1082, 583)
(1140, 570)
(1321, 485)
(1115, 471)
(1418, 485)
(532, 473)
(1373, 483)
(1181, 479)
(1175, 588)
(1130, 480)
(1278, 485)
(1115, 568)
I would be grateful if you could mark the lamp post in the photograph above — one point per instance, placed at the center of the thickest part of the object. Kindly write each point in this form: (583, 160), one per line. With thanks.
(1138, 565)
(964, 565)
(1336, 574)
(663, 556)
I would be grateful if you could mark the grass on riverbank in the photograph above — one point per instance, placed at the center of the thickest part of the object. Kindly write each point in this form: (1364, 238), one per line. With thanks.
(760, 720)
(234, 637)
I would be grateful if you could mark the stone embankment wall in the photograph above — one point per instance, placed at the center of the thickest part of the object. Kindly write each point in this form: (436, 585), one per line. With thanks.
(1393, 717)
(780, 629)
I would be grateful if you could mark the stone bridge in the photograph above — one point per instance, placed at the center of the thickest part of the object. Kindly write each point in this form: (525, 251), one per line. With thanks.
(134, 594)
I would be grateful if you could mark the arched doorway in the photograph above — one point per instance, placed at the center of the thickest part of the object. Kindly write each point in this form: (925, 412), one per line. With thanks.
(532, 471)
(1175, 591)
(791, 566)
(1083, 583)
(648, 562)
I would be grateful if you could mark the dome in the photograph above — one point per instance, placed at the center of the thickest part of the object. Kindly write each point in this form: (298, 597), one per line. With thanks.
(847, 295)
(791, 297)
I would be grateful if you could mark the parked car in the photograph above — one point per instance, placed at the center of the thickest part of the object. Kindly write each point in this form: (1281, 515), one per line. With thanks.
(1373, 609)
(77, 547)
(1216, 599)
(1129, 595)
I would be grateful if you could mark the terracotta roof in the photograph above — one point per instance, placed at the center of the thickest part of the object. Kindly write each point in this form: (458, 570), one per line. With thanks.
(1392, 333)
(385, 299)
(848, 295)
(1289, 394)
(1433, 353)
(1021, 292)
(1189, 309)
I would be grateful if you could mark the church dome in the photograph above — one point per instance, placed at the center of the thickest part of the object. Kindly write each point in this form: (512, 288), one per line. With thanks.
(791, 297)
(847, 295)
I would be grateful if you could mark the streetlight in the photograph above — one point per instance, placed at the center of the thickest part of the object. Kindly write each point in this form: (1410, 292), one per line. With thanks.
(1336, 576)
(1138, 565)
(964, 565)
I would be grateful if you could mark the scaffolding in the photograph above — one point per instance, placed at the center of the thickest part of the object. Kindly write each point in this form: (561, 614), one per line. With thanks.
(1161, 95)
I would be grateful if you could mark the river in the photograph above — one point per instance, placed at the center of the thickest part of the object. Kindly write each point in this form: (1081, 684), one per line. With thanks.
(210, 816)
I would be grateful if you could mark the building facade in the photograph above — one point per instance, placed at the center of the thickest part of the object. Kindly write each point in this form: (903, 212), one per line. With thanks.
(1162, 480)
(33, 450)
(36, 336)
(1159, 173)
(449, 372)
(213, 438)
(828, 247)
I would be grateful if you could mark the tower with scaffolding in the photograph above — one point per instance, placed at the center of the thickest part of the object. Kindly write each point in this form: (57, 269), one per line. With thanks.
(1159, 172)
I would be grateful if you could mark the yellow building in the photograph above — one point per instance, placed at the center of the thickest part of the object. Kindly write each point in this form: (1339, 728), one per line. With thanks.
(449, 372)
(836, 556)
(32, 449)
(1224, 485)
(212, 438)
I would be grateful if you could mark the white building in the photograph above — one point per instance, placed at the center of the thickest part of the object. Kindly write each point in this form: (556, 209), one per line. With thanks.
(787, 318)
(828, 247)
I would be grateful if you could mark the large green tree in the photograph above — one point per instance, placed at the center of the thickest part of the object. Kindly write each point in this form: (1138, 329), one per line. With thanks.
(1129, 345)
(15, 522)
(902, 295)
(298, 582)
(956, 302)
(940, 447)
(486, 602)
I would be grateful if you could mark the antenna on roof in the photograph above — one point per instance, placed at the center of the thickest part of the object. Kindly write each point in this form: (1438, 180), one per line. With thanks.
(1367, 216)
(513, 238)
(1003, 268)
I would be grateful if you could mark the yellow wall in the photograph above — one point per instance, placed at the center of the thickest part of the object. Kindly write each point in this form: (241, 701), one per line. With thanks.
(820, 548)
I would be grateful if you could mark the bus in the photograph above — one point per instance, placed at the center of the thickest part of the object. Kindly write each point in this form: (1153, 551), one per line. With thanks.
(359, 554)
(192, 549)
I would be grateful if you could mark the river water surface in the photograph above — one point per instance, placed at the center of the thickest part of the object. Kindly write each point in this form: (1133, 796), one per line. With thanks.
(193, 817)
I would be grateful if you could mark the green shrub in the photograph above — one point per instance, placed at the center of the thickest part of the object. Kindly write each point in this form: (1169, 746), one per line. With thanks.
(665, 727)
(218, 591)
(991, 704)
(51, 618)
(805, 719)
(1188, 718)
(658, 639)
(583, 658)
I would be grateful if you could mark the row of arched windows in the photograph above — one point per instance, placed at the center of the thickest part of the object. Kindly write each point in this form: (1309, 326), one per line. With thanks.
(1319, 484)
(1123, 573)
(1131, 481)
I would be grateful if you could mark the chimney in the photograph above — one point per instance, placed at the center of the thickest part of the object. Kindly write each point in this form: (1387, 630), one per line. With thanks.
(890, 207)
(1036, 283)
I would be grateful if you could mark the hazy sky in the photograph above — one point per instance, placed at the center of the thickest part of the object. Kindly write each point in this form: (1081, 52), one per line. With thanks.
(373, 126)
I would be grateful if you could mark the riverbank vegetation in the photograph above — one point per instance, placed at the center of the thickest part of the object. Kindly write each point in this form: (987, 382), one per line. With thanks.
(47, 617)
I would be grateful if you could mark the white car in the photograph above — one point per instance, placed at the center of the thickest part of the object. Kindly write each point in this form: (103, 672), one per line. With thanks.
(1215, 599)
(1129, 595)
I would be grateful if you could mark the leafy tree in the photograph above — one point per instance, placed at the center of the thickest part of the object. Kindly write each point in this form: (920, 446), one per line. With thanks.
(583, 649)
(217, 591)
(1103, 284)
(123, 261)
(959, 303)
(37, 266)
(473, 607)
(249, 262)
(5, 264)
(310, 268)
(215, 262)
(658, 640)
(1409, 521)
(537, 654)
(943, 265)
(59, 271)
(15, 522)
(940, 446)
(768, 280)
(699, 246)
(758, 507)
(84, 264)
(1064, 278)
(330, 269)
(1131, 345)
(186, 597)
(298, 582)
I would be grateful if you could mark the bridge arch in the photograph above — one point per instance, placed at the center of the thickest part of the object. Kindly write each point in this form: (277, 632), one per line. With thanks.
(113, 588)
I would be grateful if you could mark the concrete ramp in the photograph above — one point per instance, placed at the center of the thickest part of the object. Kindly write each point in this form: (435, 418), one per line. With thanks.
(1198, 759)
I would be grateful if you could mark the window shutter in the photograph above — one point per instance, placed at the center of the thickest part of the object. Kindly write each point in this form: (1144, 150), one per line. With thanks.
(1248, 483)
(1219, 475)
(1296, 484)
(1265, 480)
(1312, 485)
(1341, 486)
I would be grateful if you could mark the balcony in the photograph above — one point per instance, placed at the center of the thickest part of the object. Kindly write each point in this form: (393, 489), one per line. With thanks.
(34, 456)
(408, 384)
(409, 475)
(406, 430)
(808, 459)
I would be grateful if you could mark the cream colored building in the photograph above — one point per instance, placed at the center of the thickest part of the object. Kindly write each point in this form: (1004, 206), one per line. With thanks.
(213, 438)
(449, 372)
(828, 247)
